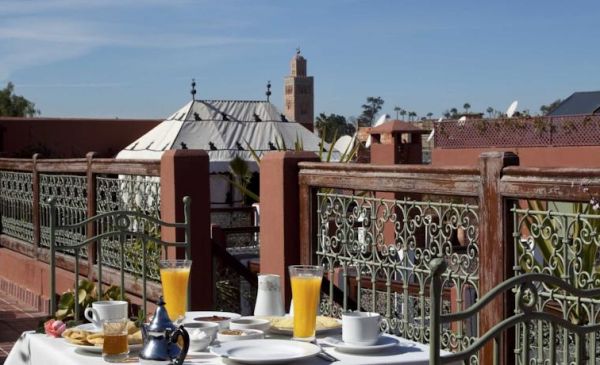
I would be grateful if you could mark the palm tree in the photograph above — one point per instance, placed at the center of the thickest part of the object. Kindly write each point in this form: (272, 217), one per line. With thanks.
(402, 113)
(429, 115)
(397, 109)
(489, 110)
(412, 115)
(467, 106)
(453, 111)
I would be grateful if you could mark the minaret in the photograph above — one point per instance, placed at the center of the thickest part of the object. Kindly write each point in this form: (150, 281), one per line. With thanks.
(299, 94)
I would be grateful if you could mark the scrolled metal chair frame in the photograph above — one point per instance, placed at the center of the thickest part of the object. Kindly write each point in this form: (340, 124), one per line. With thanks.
(121, 231)
(526, 304)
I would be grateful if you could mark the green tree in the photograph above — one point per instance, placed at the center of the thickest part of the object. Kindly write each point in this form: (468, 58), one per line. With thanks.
(467, 106)
(12, 105)
(397, 109)
(402, 113)
(490, 111)
(370, 110)
(332, 126)
(453, 112)
(429, 115)
(547, 109)
(412, 116)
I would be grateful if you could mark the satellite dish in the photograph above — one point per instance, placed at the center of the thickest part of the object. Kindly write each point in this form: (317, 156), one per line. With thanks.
(512, 109)
(379, 121)
(430, 137)
(344, 144)
(462, 120)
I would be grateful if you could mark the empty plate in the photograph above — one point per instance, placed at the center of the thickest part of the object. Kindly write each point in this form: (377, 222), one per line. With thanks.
(265, 351)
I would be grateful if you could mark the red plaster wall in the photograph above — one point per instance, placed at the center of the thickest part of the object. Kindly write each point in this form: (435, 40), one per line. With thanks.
(66, 137)
(581, 156)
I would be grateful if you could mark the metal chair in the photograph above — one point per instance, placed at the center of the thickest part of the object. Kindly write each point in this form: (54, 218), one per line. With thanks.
(527, 301)
(120, 229)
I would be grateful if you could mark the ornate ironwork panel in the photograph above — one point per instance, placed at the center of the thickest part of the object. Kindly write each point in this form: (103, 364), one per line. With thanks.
(563, 240)
(70, 194)
(378, 251)
(242, 242)
(134, 193)
(233, 292)
(16, 194)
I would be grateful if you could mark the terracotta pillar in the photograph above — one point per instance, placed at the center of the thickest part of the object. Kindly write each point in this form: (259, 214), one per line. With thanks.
(280, 215)
(186, 173)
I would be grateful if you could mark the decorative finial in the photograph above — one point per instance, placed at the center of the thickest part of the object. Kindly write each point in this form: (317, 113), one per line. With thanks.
(268, 93)
(193, 92)
(298, 51)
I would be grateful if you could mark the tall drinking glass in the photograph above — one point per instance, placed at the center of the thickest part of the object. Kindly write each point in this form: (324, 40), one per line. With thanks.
(174, 276)
(306, 290)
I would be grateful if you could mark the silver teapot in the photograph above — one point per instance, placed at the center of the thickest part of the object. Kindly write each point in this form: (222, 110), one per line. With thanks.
(160, 340)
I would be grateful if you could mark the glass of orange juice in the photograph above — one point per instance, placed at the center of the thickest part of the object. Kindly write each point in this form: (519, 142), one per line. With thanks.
(174, 277)
(306, 290)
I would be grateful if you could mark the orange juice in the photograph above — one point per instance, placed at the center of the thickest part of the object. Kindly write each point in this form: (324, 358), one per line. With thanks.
(174, 285)
(305, 291)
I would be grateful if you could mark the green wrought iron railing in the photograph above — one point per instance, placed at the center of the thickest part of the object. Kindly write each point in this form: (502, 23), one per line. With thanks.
(123, 227)
(528, 301)
(379, 250)
(16, 202)
(562, 240)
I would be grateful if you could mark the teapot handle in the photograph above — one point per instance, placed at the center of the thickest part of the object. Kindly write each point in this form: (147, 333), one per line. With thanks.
(180, 331)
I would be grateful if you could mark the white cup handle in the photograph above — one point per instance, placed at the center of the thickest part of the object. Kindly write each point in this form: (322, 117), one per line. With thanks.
(89, 314)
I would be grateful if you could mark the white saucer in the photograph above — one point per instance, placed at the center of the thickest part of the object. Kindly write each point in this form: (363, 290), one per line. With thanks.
(383, 342)
(90, 327)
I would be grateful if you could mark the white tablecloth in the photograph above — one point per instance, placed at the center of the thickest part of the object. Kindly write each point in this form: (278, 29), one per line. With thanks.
(39, 349)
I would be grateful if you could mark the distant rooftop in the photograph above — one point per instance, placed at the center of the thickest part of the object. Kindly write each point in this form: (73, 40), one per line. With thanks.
(583, 102)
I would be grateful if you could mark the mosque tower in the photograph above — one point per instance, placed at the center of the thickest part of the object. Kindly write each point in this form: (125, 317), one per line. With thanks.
(299, 96)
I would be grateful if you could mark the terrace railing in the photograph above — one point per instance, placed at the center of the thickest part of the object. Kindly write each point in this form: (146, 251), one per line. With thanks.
(377, 229)
(85, 188)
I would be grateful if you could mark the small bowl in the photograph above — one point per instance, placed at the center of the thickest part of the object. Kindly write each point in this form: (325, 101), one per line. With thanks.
(201, 334)
(222, 319)
(238, 335)
(253, 323)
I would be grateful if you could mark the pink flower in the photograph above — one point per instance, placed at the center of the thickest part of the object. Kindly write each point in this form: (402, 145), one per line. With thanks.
(54, 328)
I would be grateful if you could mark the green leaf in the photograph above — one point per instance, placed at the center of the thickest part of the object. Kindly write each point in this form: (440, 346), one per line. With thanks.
(81, 295)
(66, 300)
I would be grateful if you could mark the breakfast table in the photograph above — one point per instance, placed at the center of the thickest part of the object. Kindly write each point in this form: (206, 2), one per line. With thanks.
(39, 349)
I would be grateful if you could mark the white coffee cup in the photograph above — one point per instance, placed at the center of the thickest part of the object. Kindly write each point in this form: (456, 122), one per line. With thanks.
(104, 310)
(360, 328)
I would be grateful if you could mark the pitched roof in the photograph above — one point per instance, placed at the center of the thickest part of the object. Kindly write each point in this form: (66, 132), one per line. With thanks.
(584, 102)
(224, 129)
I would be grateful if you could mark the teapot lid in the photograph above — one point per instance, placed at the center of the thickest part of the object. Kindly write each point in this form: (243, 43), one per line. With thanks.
(161, 321)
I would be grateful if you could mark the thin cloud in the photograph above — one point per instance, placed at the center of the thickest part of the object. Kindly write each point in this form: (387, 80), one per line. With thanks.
(32, 41)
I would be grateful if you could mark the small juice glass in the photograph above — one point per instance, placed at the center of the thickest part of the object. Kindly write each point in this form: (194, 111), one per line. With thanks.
(306, 290)
(115, 347)
(174, 277)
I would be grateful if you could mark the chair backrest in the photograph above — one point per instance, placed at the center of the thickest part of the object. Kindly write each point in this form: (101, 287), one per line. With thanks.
(117, 234)
(527, 301)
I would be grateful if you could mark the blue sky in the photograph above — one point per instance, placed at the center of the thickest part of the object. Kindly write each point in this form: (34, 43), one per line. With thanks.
(126, 58)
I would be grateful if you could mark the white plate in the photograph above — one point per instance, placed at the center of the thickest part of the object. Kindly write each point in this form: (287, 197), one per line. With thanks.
(290, 330)
(98, 349)
(384, 342)
(265, 351)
